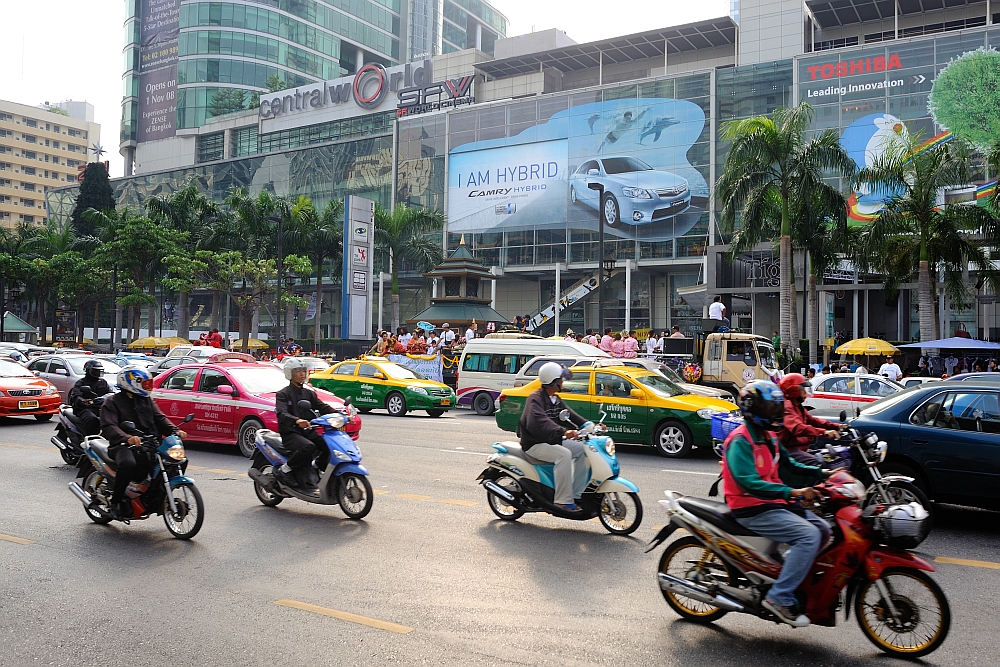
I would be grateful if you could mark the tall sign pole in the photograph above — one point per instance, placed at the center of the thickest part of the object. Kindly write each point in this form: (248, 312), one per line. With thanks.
(359, 247)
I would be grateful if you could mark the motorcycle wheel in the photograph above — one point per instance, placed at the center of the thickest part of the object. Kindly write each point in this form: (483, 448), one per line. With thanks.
(186, 523)
(266, 498)
(97, 486)
(901, 493)
(687, 558)
(924, 615)
(69, 457)
(354, 493)
(501, 507)
(616, 514)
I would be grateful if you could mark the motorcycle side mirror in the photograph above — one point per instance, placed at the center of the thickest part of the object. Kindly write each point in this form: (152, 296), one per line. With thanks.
(304, 405)
(188, 418)
(830, 450)
(128, 426)
(348, 401)
(843, 416)
(564, 415)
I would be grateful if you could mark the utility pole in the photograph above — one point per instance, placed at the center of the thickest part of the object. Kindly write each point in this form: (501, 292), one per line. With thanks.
(600, 259)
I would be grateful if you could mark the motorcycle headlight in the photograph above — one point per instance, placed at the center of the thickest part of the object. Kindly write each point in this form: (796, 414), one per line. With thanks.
(706, 413)
(637, 193)
(176, 452)
(342, 456)
(881, 449)
(871, 439)
(417, 390)
(336, 420)
(609, 446)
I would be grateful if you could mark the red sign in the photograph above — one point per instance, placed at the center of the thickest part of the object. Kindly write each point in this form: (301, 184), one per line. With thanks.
(854, 67)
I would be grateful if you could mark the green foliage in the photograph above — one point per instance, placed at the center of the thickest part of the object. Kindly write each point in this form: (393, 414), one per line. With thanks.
(966, 97)
(95, 193)
(274, 83)
(227, 100)
(57, 110)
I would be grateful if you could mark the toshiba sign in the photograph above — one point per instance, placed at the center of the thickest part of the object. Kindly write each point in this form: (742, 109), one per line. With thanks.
(854, 67)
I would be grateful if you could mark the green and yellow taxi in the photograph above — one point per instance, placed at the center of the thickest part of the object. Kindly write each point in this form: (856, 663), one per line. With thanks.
(638, 406)
(375, 383)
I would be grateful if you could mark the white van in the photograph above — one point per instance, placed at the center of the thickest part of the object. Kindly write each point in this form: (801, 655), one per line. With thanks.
(490, 364)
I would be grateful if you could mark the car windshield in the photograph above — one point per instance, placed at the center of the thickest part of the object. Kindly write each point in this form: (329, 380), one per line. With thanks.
(397, 372)
(768, 359)
(11, 370)
(76, 363)
(660, 385)
(624, 165)
(260, 379)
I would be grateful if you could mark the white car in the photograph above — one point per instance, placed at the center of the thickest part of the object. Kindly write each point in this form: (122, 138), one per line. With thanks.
(847, 391)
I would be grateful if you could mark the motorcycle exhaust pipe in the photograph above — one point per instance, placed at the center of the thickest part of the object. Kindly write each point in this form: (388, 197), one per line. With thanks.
(59, 443)
(492, 487)
(257, 476)
(82, 495)
(689, 589)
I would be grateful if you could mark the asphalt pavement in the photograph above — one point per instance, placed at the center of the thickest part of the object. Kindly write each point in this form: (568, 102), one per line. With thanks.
(429, 577)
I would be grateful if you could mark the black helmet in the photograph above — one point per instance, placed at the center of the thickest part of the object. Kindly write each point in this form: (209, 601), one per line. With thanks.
(93, 369)
(763, 404)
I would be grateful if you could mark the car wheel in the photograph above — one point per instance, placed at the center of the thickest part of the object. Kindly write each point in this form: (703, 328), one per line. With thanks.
(610, 211)
(673, 440)
(43, 418)
(248, 436)
(395, 403)
(435, 413)
(572, 195)
(483, 404)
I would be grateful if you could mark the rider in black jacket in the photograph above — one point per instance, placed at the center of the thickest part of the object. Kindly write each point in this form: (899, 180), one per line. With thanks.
(297, 436)
(85, 394)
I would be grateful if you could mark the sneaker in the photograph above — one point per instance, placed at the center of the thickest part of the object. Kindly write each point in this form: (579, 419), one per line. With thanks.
(121, 511)
(286, 478)
(786, 614)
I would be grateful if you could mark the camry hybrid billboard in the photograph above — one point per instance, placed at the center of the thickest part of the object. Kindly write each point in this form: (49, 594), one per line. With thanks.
(623, 160)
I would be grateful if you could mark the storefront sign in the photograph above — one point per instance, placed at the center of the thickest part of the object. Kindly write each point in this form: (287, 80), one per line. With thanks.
(844, 68)
(356, 297)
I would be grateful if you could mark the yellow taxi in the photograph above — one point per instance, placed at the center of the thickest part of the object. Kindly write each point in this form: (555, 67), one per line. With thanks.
(376, 382)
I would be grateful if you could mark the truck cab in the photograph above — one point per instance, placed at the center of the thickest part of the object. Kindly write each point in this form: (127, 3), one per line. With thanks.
(730, 360)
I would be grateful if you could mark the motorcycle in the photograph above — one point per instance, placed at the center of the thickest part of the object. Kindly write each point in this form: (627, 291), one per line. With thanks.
(516, 483)
(722, 567)
(166, 490)
(343, 481)
(69, 435)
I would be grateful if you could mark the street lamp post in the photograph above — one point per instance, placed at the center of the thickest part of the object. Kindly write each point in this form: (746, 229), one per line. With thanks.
(278, 219)
(600, 253)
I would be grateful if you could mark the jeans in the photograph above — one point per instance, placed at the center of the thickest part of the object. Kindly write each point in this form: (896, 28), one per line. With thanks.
(804, 535)
(570, 471)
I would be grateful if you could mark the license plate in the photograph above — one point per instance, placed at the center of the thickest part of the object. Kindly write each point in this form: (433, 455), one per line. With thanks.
(445, 401)
(27, 405)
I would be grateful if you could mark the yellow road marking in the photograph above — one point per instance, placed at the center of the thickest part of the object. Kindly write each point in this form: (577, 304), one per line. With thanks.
(463, 503)
(346, 616)
(191, 467)
(379, 492)
(411, 496)
(971, 563)
(220, 471)
(242, 474)
(15, 540)
(14, 444)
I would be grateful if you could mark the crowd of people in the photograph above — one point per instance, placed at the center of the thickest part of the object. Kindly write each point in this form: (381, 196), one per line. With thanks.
(421, 341)
(927, 366)
(623, 344)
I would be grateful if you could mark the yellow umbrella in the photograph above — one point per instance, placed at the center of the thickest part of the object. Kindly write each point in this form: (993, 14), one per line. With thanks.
(177, 340)
(148, 343)
(872, 347)
(254, 344)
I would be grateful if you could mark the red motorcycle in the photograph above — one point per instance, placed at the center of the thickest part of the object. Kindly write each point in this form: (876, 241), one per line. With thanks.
(722, 567)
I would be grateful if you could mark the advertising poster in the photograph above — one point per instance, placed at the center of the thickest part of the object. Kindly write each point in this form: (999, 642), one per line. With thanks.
(65, 326)
(159, 28)
(635, 149)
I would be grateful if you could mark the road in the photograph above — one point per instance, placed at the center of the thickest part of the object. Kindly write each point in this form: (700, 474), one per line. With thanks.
(430, 576)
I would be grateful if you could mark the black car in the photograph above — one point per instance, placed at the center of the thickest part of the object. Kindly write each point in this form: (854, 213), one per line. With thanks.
(975, 377)
(946, 435)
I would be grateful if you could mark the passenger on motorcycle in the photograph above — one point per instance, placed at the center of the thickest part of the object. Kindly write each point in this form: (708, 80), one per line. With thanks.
(762, 485)
(297, 436)
(799, 428)
(85, 392)
(544, 438)
(131, 404)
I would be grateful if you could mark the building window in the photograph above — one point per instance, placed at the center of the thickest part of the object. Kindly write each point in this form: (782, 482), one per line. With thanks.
(5, 166)
(211, 147)
(244, 141)
(28, 171)
(30, 138)
(74, 133)
(29, 122)
(5, 149)
(55, 128)
(31, 155)
(28, 218)
(5, 182)
(55, 144)
(453, 287)
(30, 203)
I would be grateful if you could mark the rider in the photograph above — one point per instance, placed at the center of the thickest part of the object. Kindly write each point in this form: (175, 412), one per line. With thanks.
(539, 427)
(131, 404)
(88, 388)
(800, 428)
(296, 433)
(762, 485)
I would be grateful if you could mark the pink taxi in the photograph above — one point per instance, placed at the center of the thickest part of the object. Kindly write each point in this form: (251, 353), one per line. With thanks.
(231, 396)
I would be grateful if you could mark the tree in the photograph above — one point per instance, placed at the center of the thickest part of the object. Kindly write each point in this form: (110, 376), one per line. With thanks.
(965, 97)
(770, 162)
(227, 100)
(79, 281)
(402, 236)
(95, 193)
(327, 242)
(916, 233)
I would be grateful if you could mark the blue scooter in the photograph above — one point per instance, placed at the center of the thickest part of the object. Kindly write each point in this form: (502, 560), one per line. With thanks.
(344, 481)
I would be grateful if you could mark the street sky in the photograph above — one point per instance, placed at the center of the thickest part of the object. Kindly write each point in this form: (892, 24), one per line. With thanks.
(55, 50)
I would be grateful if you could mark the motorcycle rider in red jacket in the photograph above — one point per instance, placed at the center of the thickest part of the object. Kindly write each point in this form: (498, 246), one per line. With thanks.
(800, 429)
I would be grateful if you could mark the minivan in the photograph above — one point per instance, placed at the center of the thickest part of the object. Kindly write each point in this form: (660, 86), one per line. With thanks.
(490, 364)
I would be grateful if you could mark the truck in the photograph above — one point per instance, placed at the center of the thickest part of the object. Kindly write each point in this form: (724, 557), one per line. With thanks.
(728, 359)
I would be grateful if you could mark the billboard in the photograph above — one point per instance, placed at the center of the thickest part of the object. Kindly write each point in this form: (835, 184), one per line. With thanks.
(634, 151)
(159, 26)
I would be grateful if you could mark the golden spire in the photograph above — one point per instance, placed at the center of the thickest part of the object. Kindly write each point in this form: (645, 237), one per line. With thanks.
(462, 240)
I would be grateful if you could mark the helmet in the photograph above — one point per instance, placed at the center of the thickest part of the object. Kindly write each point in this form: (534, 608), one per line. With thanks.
(551, 371)
(293, 365)
(135, 380)
(93, 369)
(792, 382)
(763, 404)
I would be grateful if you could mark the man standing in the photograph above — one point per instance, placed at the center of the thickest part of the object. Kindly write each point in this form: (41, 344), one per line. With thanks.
(890, 370)
(447, 336)
(470, 333)
(717, 311)
(776, 340)
(606, 341)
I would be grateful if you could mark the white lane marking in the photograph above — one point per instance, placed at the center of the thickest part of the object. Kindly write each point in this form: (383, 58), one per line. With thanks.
(455, 451)
(692, 472)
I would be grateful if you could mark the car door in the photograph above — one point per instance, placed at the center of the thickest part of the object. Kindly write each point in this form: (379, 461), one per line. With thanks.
(369, 386)
(741, 362)
(341, 382)
(581, 184)
(834, 393)
(872, 389)
(175, 395)
(576, 393)
(626, 416)
(214, 413)
(58, 374)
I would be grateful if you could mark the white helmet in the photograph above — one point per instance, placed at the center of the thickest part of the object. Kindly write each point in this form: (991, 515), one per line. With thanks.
(551, 371)
(293, 365)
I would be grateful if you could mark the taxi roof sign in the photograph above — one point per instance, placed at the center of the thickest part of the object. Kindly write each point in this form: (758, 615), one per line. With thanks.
(231, 356)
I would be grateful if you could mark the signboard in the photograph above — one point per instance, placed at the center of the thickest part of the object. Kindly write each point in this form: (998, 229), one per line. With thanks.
(65, 326)
(359, 219)
(826, 300)
(428, 365)
(159, 26)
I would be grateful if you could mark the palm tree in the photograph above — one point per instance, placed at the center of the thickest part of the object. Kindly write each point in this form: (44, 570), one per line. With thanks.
(298, 229)
(769, 162)
(915, 233)
(402, 234)
(326, 241)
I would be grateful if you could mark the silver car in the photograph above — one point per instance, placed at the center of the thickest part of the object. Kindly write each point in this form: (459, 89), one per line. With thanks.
(634, 192)
(63, 370)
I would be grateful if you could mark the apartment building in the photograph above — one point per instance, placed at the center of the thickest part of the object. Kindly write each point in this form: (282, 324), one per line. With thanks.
(40, 149)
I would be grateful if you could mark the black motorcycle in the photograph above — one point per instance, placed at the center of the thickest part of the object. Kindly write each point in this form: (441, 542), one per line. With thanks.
(70, 435)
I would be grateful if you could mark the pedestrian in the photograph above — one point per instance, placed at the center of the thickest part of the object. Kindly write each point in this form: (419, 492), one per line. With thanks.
(776, 340)
(717, 311)
(592, 337)
(606, 341)
(470, 333)
(810, 373)
(447, 336)
(890, 369)
(433, 343)
(570, 335)
(630, 346)
(404, 336)
(617, 346)
(675, 332)
(215, 338)
(652, 344)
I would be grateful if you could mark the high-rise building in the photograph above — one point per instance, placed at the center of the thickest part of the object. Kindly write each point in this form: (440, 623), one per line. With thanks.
(40, 148)
(187, 61)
